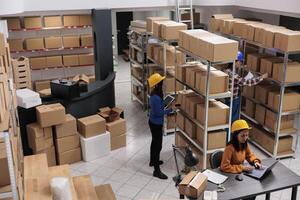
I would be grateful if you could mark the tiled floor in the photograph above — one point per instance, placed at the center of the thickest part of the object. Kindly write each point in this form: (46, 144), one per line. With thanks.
(127, 169)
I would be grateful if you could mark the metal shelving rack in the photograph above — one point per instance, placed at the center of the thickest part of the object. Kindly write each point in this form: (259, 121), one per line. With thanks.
(207, 97)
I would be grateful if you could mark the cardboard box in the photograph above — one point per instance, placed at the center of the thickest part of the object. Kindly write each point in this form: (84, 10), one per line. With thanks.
(260, 113)
(71, 41)
(32, 22)
(70, 60)
(157, 27)
(171, 122)
(37, 62)
(4, 172)
(110, 114)
(215, 21)
(53, 21)
(190, 128)
(287, 40)
(71, 20)
(150, 21)
(191, 105)
(85, 20)
(13, 23)
(253, 61)
(261, 92)
(215, 139)
(91, 126)
(16, 44)
(84, 187)
(50, 153)
(116, 128)
(180, 121)
(53, 42)
(287, 121)
(86, 59)
(68, 128)
(41, 85)
(118, 142)
(39, 138)
(219, 82)
(291, 101)
(269, 35)
(240, 28)
(180, 73)
(182, 187)
(34, 43)
(105, 192)
(86, 40)
(250, 108)
(186, 96)
(67, 143)
(267, 64)
(249, 91)
(50, 115)
(54, 61)
(292, 72)
(217, 113)
(179, 140)
(69, 157)
(193, 184)
(226, 25)
(170, 31)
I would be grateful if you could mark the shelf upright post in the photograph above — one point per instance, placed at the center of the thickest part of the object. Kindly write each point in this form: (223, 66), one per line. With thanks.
(143, 70)
(231, 102)
(165, 74)
(130, 62)
(279, 113)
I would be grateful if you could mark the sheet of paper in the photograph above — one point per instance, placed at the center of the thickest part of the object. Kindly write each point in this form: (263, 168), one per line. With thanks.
(215, 177)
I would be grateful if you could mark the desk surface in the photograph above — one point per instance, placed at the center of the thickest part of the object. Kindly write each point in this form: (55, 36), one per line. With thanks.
(279, 178)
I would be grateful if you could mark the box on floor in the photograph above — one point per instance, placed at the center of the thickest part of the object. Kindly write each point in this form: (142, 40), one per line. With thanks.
(39, 138)
(91, 126)
(50, 115)
(69, 157)
(105, 192)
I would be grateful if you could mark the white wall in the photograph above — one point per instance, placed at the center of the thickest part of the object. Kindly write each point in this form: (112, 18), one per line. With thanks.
(11, 6)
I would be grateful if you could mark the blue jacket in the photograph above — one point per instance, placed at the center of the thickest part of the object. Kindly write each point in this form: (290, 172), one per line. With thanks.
(157, 110)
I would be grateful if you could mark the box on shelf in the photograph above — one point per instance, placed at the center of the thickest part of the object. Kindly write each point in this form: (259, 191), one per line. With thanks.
(53, 42)
(170, 31)
(171, 122)
(179, 140)
(157, 27)
(50, 153)
(67, 143)
(253, 61)
(269, 35)
(291, 101)
(71, 41)
(34, 43)
(37, 63)
(180, 121)
(32, 22)
(287, 121)
(215, 21)
(85, 20)
(91, 126)
(70, 60)
(150, 21)
(287, 40)
(226, 25)
(86, 59)
(71, 20)
(13, 23)
(292, 72)
(261, 92)
(185, 98)
(180, 72)
(170, 85)
(191, 105)
(118, 142)
(193, 184)
(219, 82)
(190, 128)
(250, 108)
(249, 91)
(86, 40)
(267, 64)
(39, 138)
(116, 128)
(4, 172)
(69, 157)
(16, 44)
(53, 21)
(260, 113)
(54, 61)
(217, 113)
(50, 115)
(215, 139)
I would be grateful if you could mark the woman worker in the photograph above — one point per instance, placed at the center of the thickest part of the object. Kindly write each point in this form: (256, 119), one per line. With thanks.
(156, 121)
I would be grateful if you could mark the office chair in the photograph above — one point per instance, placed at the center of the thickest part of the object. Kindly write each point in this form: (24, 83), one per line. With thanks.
(215, 159)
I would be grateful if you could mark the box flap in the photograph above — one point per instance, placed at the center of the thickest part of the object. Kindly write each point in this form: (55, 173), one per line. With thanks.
(104, 109)
(198, 180)
(188, 178)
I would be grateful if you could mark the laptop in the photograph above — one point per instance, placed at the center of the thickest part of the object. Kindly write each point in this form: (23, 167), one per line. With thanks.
(168, 100)
(263, 171)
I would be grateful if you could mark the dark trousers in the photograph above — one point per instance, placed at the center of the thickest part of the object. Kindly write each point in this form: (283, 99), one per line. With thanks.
(156, 144)
(236, 107)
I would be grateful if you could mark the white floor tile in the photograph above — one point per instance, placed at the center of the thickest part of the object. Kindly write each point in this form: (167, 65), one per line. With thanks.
(128, 191)
(171, 190)
(147, 195)
(114, 184)
(139, 180)
(76, 165)
(157, 185)
(122, 198)
(121, 176)
(88, 168)
(98, 180)
(104, 171)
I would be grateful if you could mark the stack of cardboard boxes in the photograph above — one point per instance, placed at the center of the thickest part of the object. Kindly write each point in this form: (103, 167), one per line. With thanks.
(4, 172)
(22, 74)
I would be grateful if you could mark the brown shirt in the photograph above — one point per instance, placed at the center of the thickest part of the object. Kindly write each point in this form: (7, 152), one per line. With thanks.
(232, 160)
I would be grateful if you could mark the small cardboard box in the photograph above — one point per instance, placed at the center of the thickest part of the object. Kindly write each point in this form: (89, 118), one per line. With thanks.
(249, 91)
(34, 43)
(182, 187)
(13, 23)
(16, 44)
(180, 73)
(53, 42)
(86, 59)
(71, 20)
(170, 31)
(86, 40)
(54, 61)
(70, 60)
(261, 92)
(215, 139)
(217, 113)
(193, 184)
(269, 35)
(91, 126)
(192, 107)
(157, 27)
(292, 72)
(105, 192)
(180, 121)
(287, 121)
(260, 113)
(110, 114)
(267, 64)
(219, 82)
(250, 108)
(50, 153)
(68, 128)
(190, 128)
(118, 142)
(69, 157)
(39, 138)
(215, 21)
(291, 101)
(116, 128)
(41, 85)
(253, 61)
(150, 21)
(50, 115)
(184, 105)
(287, 40)
(32, 22)
(4, 172)
(53, 21)
(85, 20)
(37, 63)
(71, 41)
(67, 143)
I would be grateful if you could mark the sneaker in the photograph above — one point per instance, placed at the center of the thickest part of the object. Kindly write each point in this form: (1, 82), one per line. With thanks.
(160, 175)
(160, 163)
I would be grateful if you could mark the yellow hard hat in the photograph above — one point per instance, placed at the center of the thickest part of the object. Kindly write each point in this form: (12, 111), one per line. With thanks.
(154, 79)
(239, 125)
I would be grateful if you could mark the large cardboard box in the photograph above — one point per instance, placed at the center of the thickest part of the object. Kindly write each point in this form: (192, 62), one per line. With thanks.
(50, 153)
(37, 62)
(249, 91)
(71, 41)
(50, 115)
(193, 184)
(287, 121)
(150, 21)
(118, 142)
(86, 40)
(71, 20)
(215, 21)
(260, 113)
(16, 44)
(180, 72)
(291, 101)
(105, 192)
(4, 171)
(191, 105)
(287, 40)
(269, 35)
(186, 96)
(69, 157)
(240, 28)
(170, 31)
(250, 108)
(253, 61)
(54, 61)
(13, 23)
(86, 59)
(261, 92)
(215, 139)
(32, 22)
(180, 121)
(68, 128)
(292, 72)
(34, 43)
(219, 82)
(39, 138)
(190, 128)
(91, 126)
(226, 26)
(157, 30)
(116, 128)
(217, 113)
(267, 64)
(70, 60)
(85, 20)
(53, 21)
(53, 42)
(67, 143)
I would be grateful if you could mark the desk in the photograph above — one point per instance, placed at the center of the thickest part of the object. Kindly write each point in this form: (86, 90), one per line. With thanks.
(279, 178)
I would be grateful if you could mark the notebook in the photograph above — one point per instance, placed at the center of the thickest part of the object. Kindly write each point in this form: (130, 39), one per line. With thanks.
(215, 177)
